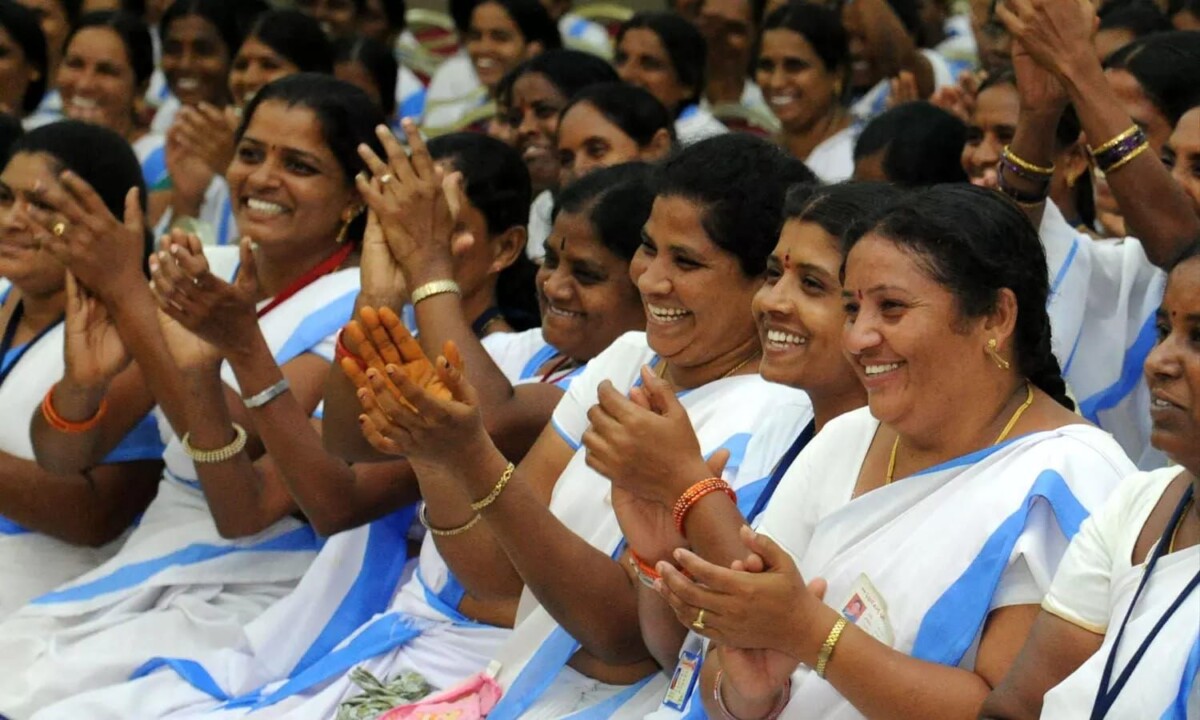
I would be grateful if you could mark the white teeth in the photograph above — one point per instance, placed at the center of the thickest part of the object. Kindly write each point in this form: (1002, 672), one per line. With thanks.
(264, 206)
(83, 103)
(779, 100)
(778, 337)
(486, 63)
(1159, 403)
(551, 310)
(187, 83)
(872, 370)
(666, 314)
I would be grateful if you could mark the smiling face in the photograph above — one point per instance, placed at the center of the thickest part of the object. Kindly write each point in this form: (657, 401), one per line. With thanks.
(96, 80)
(795, 82)
(584, 290)
(728, 30)
(800, 314)
(1173, 369)
(337, 17)
(992, 126)
(22, 259)
(495, 43)
(196, 61)
(696, 296)
(255, 65)
(642, 60)
(901, 327)
(587, 140)
(287, 187)
(1181, 155)
(533, 115)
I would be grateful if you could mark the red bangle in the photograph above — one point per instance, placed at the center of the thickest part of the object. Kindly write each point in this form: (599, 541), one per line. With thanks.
(692, 495)
(56, 421)
(341, 351)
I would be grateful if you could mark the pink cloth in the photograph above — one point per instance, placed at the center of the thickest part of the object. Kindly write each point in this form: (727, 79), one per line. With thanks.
(469, 700)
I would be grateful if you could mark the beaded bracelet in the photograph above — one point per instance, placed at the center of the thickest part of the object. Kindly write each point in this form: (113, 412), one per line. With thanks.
(692, 495)
(216, 455)
(58, 422)
(785, 696)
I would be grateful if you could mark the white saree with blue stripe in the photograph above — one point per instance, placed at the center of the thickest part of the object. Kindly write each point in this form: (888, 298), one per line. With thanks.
(1103, 295)
(176, 588)
(937, 551)
(732, 413)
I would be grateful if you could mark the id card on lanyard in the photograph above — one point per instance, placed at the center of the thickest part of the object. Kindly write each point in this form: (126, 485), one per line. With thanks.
(686, 675)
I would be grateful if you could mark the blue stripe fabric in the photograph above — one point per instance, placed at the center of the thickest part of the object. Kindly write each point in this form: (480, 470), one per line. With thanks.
(1191, 673)
(1131, 375)
(142, 443)
(608, 708)
(1066, 266)
(190, 670)
(154, 169)
(316, 327)
(578, 28)
(8, 527)
(448, 600)
(300, 539)
(412, 106)
(541, 357)
(950, 626)
(570, 441)
(225, 229)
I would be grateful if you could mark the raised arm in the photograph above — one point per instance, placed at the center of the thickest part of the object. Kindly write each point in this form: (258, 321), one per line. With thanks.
(890, 42)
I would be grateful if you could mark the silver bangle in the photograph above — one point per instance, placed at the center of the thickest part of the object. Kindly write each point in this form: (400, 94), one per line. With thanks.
(257, 400)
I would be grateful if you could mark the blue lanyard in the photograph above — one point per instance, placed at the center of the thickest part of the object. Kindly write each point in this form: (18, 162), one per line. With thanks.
(781, 469)
(10, 334)
(1108, 695)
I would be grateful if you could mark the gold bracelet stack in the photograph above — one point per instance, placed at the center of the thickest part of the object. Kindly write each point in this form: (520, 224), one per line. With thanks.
(437, 287)
(450, 532)
(480, 505)
(827, 648)
(1120, 151)
(221, 454)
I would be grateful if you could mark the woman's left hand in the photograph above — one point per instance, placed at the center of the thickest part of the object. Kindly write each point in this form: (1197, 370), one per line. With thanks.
(773, 609)
(222, 314)
(645, 443)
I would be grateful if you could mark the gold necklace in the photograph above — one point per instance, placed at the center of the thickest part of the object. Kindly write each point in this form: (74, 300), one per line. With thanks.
(661, 370)
(1179, 523)
(891, 471)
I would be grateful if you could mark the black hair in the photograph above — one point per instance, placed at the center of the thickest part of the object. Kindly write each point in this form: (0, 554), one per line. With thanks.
(529, 16)
(100, 156)
(22, 25)
(740, 181)
(1174, 7)
(922, 144)
(379, 62)
(11, 131)
(841, 208)
(1191, 252)
(632, 109)
(820, 27)
(684, 45)
(497, 183)
(909, 14)
(134, 35)
(346, 114)
(1138, 17)
(974, 242)
(616, 201)
(757, 9)
(395, 11)
(296, 37)
(1165, 65)
(231, 18)
(569, 71)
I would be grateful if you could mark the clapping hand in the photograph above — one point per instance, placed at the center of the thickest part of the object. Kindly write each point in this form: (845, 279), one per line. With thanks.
(93, 351)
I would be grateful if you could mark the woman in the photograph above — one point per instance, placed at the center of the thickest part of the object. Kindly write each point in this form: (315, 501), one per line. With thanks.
(56, 18)
(609, 124)
(200, 142)
(988, 462)
(371, 66)
(665, 54)
(564, 555)
(802, 68)
(732, 32)
(800, 318)
(1181, 154)
(23, 71)
(531, 98)
(883, 46)
(912, 145)
(1132, 566)
(500, 34)
(55, 527)
(202, 563)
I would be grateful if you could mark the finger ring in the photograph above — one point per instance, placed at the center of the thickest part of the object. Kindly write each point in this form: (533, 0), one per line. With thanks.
(59, 229)
(387, 179)
(699, 623)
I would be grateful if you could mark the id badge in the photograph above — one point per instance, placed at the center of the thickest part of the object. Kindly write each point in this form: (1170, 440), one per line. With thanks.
(683, 680)
(866, 608)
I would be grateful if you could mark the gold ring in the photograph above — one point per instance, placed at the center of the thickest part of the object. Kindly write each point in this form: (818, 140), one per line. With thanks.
(387, 179)
(699, 623)
(59, 229)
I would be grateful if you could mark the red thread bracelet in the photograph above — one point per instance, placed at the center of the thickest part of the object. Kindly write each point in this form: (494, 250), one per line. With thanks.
(341, 351)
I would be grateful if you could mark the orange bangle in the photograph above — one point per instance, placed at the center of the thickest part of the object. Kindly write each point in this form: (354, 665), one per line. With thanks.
(341, 351)
(644, 569)
(692, 495)
(57, 422)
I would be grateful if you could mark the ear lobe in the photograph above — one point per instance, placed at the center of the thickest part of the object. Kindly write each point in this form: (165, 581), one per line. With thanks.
(658, 147)
(507, 248)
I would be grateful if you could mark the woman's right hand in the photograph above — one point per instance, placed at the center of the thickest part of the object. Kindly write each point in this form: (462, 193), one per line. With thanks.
(381, 278)
(208, 133)
(190, 352)
(753, 677)
(93, 351)
(1056, 33)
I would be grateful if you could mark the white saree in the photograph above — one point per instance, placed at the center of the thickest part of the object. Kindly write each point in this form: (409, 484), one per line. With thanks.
(983, 531)
(1094, 588)
(176, 588)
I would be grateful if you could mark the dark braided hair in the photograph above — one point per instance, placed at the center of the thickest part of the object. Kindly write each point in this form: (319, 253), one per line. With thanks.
(975, 242)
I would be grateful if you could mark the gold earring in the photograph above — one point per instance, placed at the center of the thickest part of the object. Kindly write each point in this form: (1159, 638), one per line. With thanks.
(991, 350)
(341, 236)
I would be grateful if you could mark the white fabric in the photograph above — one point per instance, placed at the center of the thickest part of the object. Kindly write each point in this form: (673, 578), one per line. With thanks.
(931, 526)
(1102, 304)
(874, 101)
(97, 630)
(696, 124)
(540, 225)
(1093, 589)
(725, 413)
(581, 34)
(833, 160)
(165, 115)
(410, 95)
(513, 351)
(454, 91)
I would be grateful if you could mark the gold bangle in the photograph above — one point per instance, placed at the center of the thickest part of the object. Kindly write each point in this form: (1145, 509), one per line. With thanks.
(1025, 164)
(437, 287)
(1128, 158)
(221, 454)
(446, 533)
(1115, 141)
(830, 643)
(495, 493)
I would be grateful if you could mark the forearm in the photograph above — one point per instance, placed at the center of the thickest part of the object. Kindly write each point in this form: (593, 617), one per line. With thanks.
(341, 433)
(136, 316)
(1155, 208)
(661, 630)
(64, 452)
(1033, 142)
